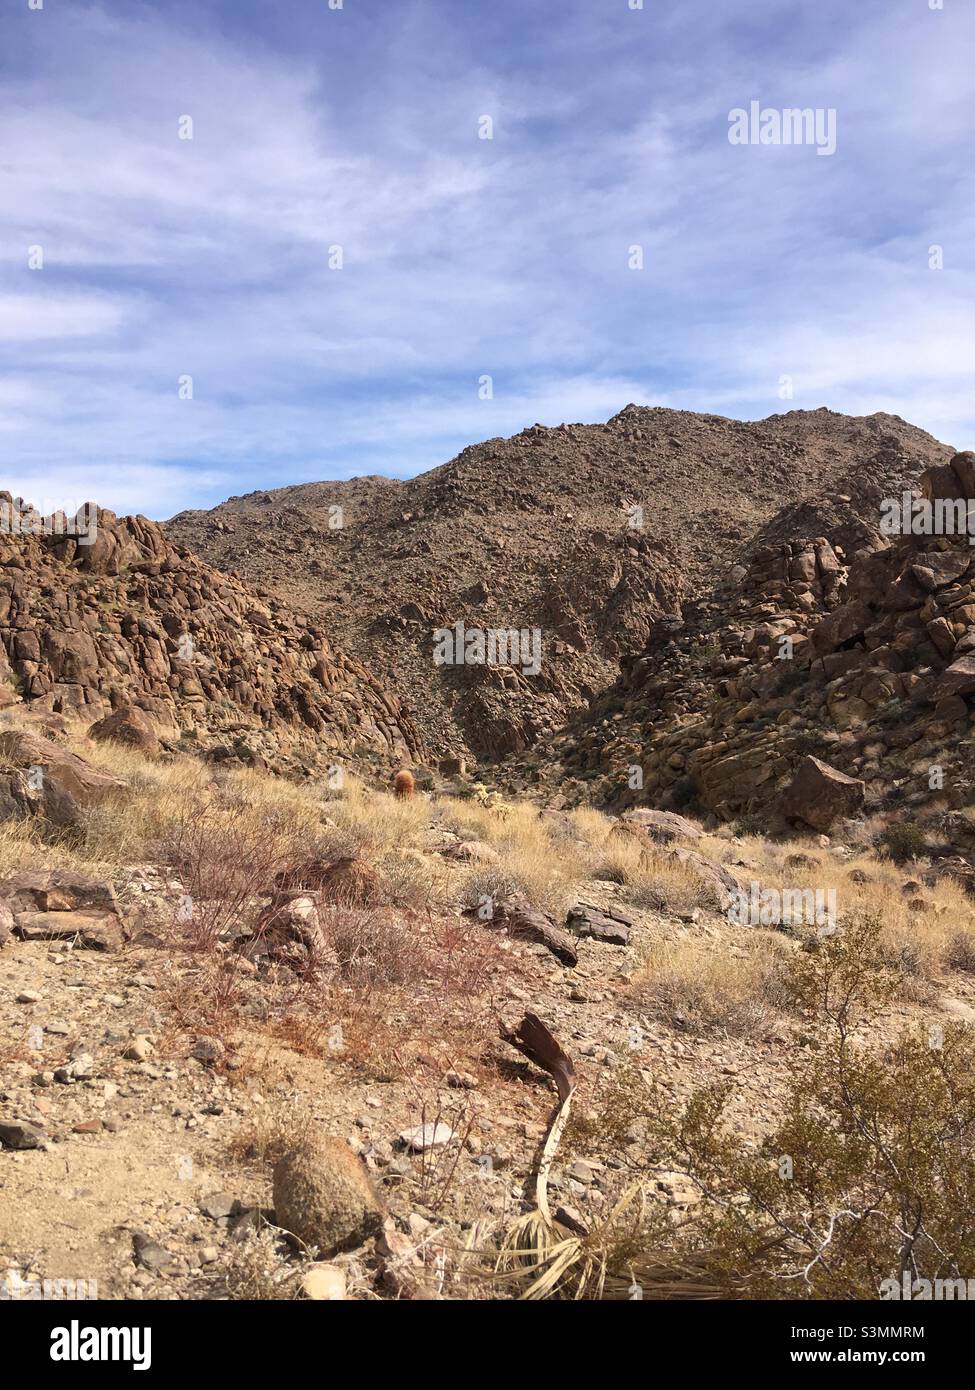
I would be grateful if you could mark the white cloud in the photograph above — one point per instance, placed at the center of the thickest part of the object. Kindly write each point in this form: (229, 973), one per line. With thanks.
(463, 257)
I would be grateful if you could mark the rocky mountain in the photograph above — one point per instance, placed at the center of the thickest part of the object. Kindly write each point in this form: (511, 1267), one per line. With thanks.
(865, 661)
(607, 539)
(106, 612)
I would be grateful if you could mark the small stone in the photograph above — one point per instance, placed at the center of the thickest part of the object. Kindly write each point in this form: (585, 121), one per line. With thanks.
(17, 1134)
(461, 1081)
(218, 1206)
(581, 1172)
(140, 1049)
(324, 1283)
(58, 1028)
(150, 1254)
(208, 1050)
(425, 1137)
(28, 996)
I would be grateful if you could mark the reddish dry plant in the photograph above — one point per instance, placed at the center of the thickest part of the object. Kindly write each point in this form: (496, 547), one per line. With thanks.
(226, 858)
(438, 1164)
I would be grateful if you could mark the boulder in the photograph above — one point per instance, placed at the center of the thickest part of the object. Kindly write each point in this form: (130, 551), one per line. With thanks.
(609, 925)
(59, 904)
(44, 778)
(96, 931)
(662, 826)
(956, 679)
(819, 794)
(322, 1195)
(129, 725)
(517, 916)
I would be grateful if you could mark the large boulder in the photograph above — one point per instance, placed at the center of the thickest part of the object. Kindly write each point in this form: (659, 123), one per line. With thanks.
(129, 725)
(40, 777)
(322, 1195)
(662, 826)
(819, 794)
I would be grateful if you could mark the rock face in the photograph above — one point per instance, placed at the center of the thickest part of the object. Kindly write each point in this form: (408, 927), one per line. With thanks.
(141, 637)
(594, 535)
(819, 795)
(323, 1196)
(809, 657)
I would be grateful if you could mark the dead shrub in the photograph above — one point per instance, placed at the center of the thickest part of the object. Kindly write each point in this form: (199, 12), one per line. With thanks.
(711, 990)
(375, 946)
(960, 952)
(226, 856)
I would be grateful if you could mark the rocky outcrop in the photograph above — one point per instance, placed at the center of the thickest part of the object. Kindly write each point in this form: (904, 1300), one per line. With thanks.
(135, 633)
(40, 778)
(819, 795)
(60, 905)
(808, 686)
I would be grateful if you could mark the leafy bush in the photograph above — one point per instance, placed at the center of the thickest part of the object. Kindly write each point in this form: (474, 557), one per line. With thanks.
(869, 1175)
(903, 841)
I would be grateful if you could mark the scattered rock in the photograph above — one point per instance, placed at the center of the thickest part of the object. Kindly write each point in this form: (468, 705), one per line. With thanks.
(325, 1283)
(424, 1137)
(18, 1134)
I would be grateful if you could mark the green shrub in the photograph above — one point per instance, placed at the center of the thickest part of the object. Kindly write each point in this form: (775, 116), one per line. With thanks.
(869, 1174)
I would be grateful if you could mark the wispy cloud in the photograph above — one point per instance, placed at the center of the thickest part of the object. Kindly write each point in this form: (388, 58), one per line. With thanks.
(167, 259)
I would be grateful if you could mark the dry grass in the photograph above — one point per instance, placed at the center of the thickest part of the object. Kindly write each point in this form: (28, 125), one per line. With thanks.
(536, 861)
(709, 987)
(920, 924)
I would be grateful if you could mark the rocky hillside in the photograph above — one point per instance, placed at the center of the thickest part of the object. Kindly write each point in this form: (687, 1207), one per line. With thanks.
(121, 616)
(868, 665)
(601, 536)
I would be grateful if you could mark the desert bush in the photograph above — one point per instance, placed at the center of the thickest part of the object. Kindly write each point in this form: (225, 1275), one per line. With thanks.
(408, 880)
(618, 1103)
(903, 841)
(867, 1177)
(960, 951)
(226, 856)
(375, 946)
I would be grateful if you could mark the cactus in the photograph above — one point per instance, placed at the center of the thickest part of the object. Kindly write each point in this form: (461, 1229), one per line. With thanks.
(404, 785)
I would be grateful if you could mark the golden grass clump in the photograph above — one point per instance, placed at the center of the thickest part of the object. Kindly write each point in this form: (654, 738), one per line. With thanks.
(711, 987)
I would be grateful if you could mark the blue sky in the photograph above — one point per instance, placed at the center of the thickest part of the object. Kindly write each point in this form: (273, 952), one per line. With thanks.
(462, 257)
